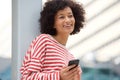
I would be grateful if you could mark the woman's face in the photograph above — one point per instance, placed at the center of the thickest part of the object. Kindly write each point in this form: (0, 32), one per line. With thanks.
(64, 21)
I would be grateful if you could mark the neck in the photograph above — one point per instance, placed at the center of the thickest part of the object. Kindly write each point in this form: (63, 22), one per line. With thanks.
(62, 39)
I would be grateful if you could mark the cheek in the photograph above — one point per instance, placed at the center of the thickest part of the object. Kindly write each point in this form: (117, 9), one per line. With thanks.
(58, 24)
(74, 20)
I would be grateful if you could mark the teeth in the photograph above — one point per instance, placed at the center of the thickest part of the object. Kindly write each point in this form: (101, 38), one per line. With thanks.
(67, 25)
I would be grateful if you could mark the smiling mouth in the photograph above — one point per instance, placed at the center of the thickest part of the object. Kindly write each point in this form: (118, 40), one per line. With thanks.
(67, 26)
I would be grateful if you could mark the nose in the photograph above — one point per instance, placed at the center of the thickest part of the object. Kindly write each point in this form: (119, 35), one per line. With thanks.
(67, 19)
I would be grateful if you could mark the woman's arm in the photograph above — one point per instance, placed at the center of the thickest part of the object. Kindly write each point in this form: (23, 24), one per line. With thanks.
(32, 66)
(41, 76)
(67, 74)
(32, 70)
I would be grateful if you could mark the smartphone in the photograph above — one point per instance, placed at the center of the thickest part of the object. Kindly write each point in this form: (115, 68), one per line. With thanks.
(72, 62)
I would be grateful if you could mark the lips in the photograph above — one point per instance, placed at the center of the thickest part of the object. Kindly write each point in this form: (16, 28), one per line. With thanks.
(67, 26)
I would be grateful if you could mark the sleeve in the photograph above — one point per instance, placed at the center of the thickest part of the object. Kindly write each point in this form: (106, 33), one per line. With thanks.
(33, 62)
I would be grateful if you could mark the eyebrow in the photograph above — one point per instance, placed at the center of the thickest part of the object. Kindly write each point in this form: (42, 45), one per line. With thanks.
(63, 14)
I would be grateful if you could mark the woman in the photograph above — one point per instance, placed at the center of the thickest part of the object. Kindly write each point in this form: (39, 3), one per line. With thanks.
(47, 57)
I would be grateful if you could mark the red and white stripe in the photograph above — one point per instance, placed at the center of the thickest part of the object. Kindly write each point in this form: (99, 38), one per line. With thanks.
(44, 59)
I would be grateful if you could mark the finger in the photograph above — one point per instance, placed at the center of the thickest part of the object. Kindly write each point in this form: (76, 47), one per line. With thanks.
(69, 67)
(69, 72)
(72, 75)
(80, 70)
(72, 70)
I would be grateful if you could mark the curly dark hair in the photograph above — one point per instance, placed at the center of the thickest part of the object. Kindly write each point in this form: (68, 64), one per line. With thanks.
(52, 7)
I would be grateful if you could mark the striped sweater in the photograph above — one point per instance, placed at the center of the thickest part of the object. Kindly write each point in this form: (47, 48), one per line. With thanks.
(44, 59)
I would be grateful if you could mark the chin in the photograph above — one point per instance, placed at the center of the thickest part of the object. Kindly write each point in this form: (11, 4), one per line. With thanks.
(69, 32)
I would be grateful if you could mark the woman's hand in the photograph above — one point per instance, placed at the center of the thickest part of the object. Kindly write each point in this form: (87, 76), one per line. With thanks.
(78, 75)
(67, 74)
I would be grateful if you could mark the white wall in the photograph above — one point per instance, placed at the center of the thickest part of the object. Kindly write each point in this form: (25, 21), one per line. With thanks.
(25, 26)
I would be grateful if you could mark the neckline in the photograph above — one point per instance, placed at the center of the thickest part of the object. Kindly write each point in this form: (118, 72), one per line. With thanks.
(56, 41)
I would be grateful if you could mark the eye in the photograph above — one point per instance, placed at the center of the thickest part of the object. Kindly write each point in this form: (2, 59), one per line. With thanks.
(61, 17)
(70, 16)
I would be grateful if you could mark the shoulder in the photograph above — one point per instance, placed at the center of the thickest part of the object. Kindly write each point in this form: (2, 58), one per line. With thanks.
(41, 39)
(39, 45)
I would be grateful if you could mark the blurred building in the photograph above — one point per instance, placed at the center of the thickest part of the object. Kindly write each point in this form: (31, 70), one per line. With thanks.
(97, 45)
